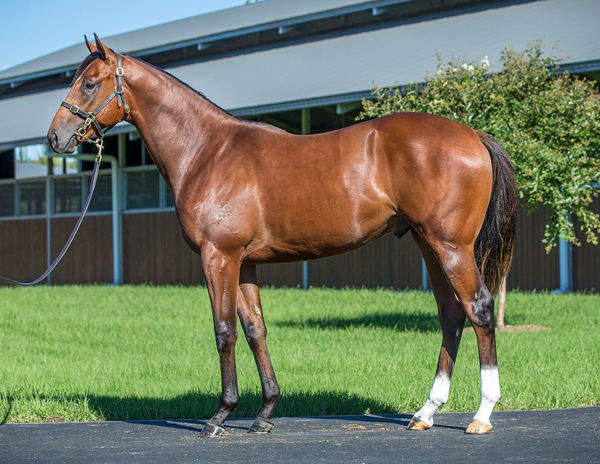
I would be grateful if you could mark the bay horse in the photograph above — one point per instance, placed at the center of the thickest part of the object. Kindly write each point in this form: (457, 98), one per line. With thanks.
(248, 193)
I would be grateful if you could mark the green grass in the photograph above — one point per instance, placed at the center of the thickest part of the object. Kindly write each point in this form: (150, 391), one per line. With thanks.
(92, 353)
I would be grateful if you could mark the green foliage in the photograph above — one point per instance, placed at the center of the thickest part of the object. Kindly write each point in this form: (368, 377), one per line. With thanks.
(549, 123)
(99, 353)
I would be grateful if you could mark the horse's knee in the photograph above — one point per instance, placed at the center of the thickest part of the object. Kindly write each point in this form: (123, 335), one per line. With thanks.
(226, 336)
(482, 309)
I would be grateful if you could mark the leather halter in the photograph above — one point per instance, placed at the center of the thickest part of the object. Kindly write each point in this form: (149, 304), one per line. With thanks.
(90, 118)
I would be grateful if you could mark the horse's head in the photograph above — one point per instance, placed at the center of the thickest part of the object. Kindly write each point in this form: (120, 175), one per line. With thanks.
(94, 103)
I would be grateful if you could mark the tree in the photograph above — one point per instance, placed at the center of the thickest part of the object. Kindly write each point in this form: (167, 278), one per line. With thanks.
(548, 121)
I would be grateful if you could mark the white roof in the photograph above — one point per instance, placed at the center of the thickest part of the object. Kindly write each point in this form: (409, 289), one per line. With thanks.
(206, 25)
(305, 73)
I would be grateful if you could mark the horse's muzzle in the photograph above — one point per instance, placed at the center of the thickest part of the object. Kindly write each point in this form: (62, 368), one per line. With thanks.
(56, 146)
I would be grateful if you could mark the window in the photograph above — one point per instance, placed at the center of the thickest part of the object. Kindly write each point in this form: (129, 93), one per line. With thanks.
(7, 199)
(133, 149)
(31, 161)
(111, 147)
(146, 157)
(142, 189)
(102, 198)
(7, 164)
(67, 195)
(169, 201)
(33, 197)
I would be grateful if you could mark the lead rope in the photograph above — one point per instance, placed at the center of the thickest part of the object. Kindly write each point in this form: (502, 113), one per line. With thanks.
(99, 145)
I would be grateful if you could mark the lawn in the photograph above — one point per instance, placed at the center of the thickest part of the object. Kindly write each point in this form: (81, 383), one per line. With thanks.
(94, 352)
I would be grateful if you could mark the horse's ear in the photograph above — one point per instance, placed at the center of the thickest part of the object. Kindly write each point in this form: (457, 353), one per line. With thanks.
(100, 47)
(90, 46)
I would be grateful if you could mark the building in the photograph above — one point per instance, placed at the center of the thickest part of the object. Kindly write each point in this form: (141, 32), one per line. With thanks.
(304, 66)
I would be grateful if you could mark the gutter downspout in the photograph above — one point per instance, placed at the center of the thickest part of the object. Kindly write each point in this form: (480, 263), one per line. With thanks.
(565, 267)
(305, 130)
(424, 277)
(565, 251)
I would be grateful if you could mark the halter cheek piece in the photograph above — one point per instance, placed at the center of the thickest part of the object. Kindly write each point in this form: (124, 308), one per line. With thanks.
(90, 118)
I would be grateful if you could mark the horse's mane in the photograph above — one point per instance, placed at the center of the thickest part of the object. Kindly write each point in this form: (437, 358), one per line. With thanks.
(179, 81)
(204, 97)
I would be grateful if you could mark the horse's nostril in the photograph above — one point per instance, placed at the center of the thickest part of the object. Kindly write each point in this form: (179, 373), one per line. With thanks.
(54, 140)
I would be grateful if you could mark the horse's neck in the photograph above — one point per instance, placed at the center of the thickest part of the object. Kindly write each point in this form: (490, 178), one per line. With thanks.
(180, 128)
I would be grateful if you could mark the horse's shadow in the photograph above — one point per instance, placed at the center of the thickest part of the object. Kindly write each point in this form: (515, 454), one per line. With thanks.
(201, 404)
(402, 322)
(183, 412)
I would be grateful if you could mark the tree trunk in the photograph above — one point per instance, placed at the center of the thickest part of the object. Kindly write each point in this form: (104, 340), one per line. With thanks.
(501, 303)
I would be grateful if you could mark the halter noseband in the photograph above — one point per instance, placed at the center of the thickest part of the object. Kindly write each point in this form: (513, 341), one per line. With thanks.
(90, 118)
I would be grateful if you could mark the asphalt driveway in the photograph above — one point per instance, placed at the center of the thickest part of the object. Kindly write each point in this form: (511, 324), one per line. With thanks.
(568, 435)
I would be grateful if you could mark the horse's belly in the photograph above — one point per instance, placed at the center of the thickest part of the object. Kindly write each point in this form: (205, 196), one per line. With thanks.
(323, 241)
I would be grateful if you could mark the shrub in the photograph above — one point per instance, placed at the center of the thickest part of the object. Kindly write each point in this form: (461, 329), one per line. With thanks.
(548, 121)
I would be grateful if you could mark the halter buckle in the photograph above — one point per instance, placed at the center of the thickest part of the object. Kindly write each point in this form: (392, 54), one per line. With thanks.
(118, 90)
(119, 71)
(74, 109)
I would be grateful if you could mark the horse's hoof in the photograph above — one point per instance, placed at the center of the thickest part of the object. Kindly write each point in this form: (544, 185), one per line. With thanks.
(478, 427)
(212, 430)
(418, 424)
(261, 426)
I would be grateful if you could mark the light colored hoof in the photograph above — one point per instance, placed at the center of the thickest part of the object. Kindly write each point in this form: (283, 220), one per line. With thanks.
(418, 424)
(477, 427)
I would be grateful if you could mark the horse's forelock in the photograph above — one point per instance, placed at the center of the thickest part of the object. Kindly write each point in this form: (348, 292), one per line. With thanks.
(84, 64)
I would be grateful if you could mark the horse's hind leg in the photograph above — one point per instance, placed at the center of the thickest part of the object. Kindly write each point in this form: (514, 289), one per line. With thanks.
(253, 323)
(458, 263)
(452, 320)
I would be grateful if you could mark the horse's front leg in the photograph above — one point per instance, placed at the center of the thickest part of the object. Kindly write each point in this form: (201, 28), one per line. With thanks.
(221, 271)
(253, 323)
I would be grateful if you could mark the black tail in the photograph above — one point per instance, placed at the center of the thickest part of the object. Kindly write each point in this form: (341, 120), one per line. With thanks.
(495, 243)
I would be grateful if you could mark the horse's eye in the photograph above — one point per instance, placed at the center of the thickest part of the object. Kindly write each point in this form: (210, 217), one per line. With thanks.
(89, 85)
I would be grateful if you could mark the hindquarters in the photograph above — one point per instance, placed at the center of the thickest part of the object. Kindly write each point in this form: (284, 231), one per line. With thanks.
(452, 184)
(437, 173)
